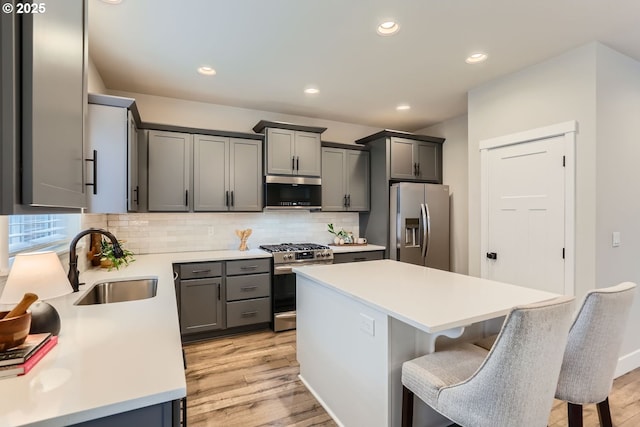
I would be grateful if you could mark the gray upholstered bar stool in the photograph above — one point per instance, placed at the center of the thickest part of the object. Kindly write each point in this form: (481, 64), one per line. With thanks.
(592, 351)
(510, 385)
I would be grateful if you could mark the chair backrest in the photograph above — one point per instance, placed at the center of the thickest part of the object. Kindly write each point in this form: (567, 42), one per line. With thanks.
(515, 384)
(593, 345)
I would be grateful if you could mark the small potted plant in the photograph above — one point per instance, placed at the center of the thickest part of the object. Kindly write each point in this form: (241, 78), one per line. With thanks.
(108, 259)
(341, 237)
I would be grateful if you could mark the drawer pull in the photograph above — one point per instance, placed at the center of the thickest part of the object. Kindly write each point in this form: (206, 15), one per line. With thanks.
(201, 271)
(248, 267)
(248, 288)
(249, 314)
(360, 258)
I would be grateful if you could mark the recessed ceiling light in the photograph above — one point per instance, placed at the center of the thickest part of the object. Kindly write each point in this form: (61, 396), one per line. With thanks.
(474, 58)
(312, 90)
(403, 107)
(112, 1)
(388, 28)
(206, 71)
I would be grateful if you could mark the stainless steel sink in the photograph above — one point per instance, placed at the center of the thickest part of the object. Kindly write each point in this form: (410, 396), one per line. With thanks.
(120, 290)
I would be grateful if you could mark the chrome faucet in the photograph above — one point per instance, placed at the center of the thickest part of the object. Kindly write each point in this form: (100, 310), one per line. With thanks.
(73, 257)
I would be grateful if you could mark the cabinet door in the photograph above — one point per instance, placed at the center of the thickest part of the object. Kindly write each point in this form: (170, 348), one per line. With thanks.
(402, 159)
(107, 135)
(200, 305)
(333, 179)
(308, 153)
(429, 167)
(53, 107)
(246, 175)
(280, 151)
(132, 165)
(169, 171)
(357, 176)
(210, 173)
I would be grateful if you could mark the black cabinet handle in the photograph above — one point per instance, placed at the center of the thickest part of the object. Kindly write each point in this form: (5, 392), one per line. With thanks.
(186, 197)
(418, 169)
(492, 255)
(226, 199)
(348, 200)
(248, 267)
(344, 201)
(201, 271)
(136, 192)
(360, 258)
(293, 162)
(248, 288)
(297, 163)
(94, 184)
(232, 203)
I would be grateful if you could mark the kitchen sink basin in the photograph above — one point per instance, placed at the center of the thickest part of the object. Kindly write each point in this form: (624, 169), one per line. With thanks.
(120, 290)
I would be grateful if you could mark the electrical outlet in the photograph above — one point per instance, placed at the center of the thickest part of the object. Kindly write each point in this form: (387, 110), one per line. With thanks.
(615, 239)
(210, 231)
(367, 324)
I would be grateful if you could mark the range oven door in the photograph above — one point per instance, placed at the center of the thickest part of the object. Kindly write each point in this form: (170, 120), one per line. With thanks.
(284, 299)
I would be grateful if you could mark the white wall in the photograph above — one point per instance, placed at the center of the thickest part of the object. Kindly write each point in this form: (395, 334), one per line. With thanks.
(94, 80)
(618, 176)
(455, 174)
(180, 112)
(558, 90)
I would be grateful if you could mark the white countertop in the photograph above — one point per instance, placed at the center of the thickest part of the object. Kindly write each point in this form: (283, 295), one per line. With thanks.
(429, 299)
(339, 249)
(110, 358)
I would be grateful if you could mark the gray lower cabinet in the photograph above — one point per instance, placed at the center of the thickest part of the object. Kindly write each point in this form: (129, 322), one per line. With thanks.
(169, 171)
(220, 296)
(345, 179)
(227, 174)
(357, 256)
(412, 159)
(165, 414)
(200, 297)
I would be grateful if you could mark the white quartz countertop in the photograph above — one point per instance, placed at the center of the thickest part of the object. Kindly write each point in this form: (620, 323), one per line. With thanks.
(429, 299)
(339, 249)
(110, 358)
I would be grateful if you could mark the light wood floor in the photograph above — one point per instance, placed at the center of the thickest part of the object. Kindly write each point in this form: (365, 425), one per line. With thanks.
(252, 380)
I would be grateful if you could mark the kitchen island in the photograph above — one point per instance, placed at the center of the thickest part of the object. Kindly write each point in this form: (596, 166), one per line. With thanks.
(111, 359)
(357, 324)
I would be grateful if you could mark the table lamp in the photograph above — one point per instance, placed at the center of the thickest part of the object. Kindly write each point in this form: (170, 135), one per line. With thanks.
(42, 274)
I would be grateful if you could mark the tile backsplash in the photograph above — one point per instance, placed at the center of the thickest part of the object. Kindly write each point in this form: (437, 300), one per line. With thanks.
(146, 233)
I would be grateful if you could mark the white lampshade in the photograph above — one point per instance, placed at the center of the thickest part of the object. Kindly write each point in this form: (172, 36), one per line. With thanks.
(40, 273)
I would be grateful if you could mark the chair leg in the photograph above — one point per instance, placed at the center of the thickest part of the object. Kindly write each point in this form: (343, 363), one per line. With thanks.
(604, 413)
(407, 407)
(575, 415)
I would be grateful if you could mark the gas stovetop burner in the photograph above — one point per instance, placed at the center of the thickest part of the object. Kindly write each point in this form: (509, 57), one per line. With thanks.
(293, 247)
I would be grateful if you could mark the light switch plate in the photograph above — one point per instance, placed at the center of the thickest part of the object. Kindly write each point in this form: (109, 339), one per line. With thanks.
(367, 324)
(615, 239)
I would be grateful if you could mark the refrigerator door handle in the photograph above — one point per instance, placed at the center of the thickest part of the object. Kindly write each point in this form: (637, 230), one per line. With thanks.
(426, 231)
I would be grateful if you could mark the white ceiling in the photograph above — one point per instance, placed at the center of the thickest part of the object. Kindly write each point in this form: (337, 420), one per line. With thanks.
(267, 51)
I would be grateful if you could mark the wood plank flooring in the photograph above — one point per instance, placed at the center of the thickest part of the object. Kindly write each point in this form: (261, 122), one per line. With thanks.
(252, 380)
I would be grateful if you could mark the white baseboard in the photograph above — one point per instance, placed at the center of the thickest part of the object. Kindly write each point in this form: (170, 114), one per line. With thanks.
(319, 399)
(628, 363)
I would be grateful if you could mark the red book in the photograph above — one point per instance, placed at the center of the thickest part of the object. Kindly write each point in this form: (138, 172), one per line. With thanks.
(23, 368)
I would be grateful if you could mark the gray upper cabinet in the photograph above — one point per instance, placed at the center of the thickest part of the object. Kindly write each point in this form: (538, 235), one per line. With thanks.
(345, 179)
(53, 105)
(111, 153)
(227, 174)
(291, 149)
(291, 152)
(415, 160)
(169, 171)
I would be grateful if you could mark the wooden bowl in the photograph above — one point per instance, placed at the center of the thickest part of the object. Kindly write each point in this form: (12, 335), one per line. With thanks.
(13, 331)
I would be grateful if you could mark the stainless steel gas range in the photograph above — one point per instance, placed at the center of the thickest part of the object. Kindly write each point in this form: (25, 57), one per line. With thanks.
(283, 283)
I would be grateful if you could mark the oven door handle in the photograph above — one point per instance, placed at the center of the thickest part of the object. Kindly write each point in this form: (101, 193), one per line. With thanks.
(283, 270)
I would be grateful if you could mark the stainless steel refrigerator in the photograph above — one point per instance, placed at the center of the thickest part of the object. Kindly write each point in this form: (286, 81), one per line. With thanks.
(419, 224)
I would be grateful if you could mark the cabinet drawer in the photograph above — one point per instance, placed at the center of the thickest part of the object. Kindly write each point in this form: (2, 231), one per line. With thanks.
(250, 286)
(357, 256)
(248, 266)
(200, 269)
(248, 312)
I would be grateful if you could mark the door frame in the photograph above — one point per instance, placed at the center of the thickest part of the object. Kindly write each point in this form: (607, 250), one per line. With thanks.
(566, 130)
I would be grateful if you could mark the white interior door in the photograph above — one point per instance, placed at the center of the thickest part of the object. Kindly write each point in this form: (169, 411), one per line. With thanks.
(526, 214)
